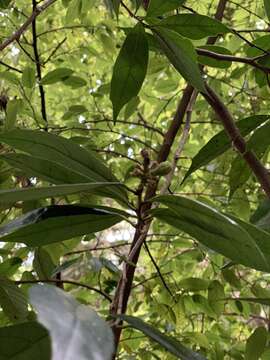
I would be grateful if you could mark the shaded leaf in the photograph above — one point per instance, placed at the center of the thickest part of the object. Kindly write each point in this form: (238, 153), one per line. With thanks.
(160, 7)
(13, 301)
(169, 343)
(240, 171)
(194, 26)
(57, 223)
(261, 217)
(130, 69)
(25, 341)
(181, 55)
(83, 335)
(28, 77)
(56, 75)
(256, 344)
(267, 8)
(220, 143)
(35, 193)
(13, 107)
(213, 229)
(63, 151)
(75, 81)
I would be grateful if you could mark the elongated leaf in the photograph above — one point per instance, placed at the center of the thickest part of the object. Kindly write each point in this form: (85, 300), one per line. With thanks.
(256, 344)
(194, 26)
(13, 301)
(129, 69)
(240, 171)
(82, 335)
(160, 7)
(13, 106)
(267, 8)
(56, 75)
(28, 77)
(57, 223)
(261, 237)
(174, 346)
(181, 55)
(261, 217)
(220, 143)
(65, 152)
(213, 229)
(25, 341)
(116, 5)
(46, 170)
(27, 194)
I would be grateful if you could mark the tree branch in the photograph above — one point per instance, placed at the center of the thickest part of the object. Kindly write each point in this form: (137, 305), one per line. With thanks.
(17, 34)
(71, 282)
(238, 141)
(38, 69)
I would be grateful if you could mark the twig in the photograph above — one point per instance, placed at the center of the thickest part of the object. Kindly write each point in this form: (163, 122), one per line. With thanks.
(158, 270)
(18, 33)
(71, 282)
(238, 141)
(38, 68)
(182, 143)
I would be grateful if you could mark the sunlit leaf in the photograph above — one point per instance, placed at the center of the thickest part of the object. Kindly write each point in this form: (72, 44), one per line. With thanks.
(83, 334)
(129, 69)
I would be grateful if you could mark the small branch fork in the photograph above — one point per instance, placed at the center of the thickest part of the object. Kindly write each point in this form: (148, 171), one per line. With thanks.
(18, 33)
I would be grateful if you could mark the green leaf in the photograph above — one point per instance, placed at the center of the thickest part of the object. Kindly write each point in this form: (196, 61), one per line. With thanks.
(74, 110)
(35, 193)
(10, 266)
(256, 344)
(213, 229)
(261, 237)
(194, 26)
(43, 263)
(58, 150)
(13, 106)
(75, 82)
(160, 7)
(220, 143)
(28, 77)
(267, 8)
(129, 69)
(4, 4)
(116, 5)
(261, 42)
(57, 223)
(193, 284)
(56, 75)
(169, 343)
(181, 55)
(25, 341)
(46, 170)
(91, 336)
(13, 301)
(208, 61)
(240, 171)
(261, 217)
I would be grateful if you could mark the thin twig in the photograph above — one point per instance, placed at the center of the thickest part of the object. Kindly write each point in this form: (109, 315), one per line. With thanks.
(18, 33)
(71, 282)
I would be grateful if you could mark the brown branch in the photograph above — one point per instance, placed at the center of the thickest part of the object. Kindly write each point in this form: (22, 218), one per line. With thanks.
(18, 33)
(10, 67)
(123, 290)
(244, 60)
(238, 141)
(38, 69)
